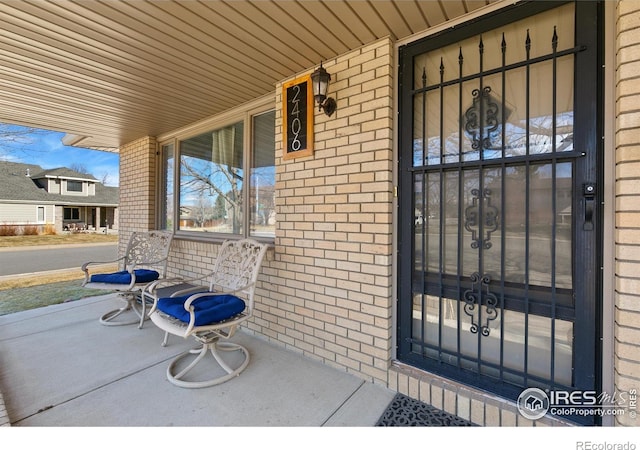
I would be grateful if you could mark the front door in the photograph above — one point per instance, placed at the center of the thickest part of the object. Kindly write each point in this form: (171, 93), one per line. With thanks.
(499, 187)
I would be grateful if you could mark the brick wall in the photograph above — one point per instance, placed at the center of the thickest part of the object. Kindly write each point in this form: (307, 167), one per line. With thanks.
(137, 188)
(329, 292)
(627, 188)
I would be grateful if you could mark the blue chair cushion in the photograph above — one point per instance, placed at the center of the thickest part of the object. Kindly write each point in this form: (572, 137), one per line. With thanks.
(124, 277)
(209, 309)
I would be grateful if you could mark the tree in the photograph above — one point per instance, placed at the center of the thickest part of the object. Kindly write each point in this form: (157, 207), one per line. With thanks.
(219, 210)
(20, 143)
(202, 210)
(15, 139)
(201, 177)
(79, 167)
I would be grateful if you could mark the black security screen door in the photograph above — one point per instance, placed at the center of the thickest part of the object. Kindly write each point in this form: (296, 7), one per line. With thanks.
(499, 188)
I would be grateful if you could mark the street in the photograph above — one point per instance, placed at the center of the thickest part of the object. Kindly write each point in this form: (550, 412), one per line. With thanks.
(38, 259)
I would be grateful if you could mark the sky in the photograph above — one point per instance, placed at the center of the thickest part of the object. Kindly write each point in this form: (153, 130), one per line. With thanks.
(46, 150)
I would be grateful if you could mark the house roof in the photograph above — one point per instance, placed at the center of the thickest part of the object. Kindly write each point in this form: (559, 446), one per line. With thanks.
(17, 185)
(108, 73)
(63, 172)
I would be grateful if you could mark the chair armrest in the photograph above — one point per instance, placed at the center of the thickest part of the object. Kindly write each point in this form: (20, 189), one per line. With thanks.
(194, 297)
(85, 267)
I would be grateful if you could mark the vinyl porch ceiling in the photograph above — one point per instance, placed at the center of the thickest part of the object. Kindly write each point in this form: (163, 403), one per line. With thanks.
(109, 72)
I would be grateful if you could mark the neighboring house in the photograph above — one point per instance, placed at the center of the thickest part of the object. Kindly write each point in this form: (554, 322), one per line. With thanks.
(61, 197)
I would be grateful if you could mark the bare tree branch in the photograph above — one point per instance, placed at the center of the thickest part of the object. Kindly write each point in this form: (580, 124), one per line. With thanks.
(16, 140)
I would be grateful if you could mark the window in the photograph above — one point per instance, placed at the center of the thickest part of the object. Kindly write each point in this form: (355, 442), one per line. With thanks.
(211, 181)
(74, 186)
(217, 184)
(263, 176)
(72, 214)
(166, 215)
(40, 214)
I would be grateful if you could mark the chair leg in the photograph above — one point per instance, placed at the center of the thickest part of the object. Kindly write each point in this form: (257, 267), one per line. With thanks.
(130, 299)
(214, 348)
(166, 338)
(143, 314)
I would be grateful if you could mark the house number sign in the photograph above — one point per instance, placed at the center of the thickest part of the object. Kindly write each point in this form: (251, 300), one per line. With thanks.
(297, 108)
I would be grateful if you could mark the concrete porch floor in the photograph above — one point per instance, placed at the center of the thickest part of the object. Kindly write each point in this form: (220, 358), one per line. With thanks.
(59, 367)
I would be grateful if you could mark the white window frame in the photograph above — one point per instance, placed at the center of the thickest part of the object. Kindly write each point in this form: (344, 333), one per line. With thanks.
(44, 214)
(71, 191)
(243, 113)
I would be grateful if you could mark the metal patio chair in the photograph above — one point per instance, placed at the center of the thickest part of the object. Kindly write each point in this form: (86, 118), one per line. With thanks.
(144, 261)
(211, 316)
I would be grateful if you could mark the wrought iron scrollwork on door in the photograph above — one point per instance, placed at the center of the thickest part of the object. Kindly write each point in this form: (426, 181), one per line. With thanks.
(475, 299)
(482, 119)
(489, 219)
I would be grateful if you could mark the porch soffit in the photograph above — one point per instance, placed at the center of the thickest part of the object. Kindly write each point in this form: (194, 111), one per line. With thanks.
(109, 72)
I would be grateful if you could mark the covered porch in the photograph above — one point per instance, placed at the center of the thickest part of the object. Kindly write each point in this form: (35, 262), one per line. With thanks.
(145, 79)
(90, 375)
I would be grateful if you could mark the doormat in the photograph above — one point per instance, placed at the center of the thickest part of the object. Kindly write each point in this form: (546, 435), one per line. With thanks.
(404, 411)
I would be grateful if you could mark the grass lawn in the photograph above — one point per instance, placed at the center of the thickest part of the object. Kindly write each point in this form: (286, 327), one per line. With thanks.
(23, 293)
(57, 239)
(22, 299)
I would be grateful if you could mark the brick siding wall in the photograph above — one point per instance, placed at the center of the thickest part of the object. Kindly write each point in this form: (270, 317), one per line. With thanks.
(329, 294)
(137, 189)
(627, 206)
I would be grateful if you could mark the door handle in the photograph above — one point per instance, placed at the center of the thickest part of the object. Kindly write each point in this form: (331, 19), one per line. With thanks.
(589, 193)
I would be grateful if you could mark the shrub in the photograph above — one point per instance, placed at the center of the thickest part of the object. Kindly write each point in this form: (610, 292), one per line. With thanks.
(30, 230)
(49, 230)
(9, 230)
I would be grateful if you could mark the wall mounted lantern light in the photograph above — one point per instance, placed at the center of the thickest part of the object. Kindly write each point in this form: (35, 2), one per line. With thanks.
(320, 80)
